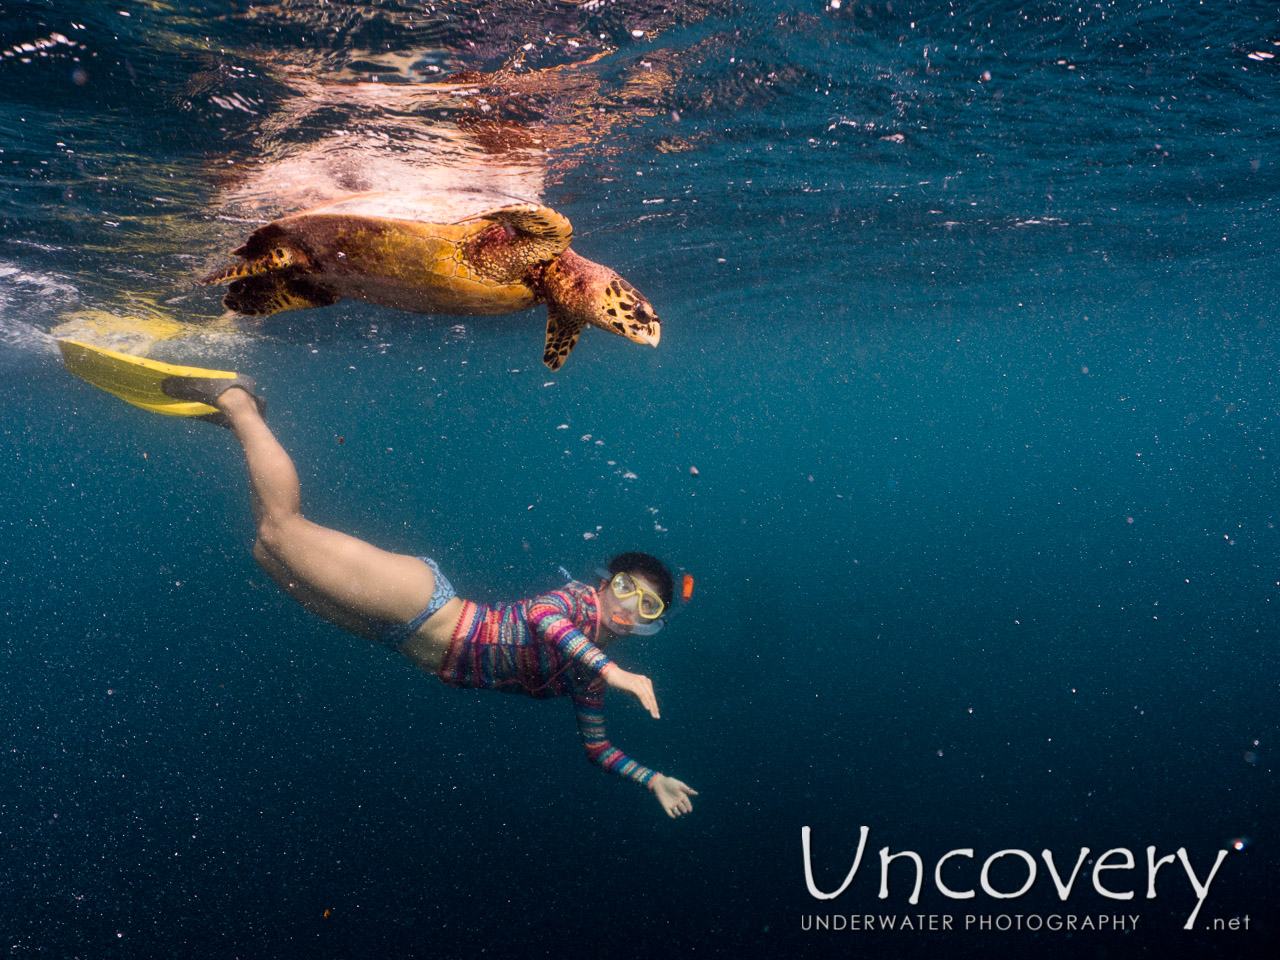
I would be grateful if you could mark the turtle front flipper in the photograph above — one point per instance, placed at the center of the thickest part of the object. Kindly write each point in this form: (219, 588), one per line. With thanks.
(262, 296)
(546, 232)
(562, 336)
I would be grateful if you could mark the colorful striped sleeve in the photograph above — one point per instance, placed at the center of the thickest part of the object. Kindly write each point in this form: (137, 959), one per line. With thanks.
(588, 701)
(551, 617)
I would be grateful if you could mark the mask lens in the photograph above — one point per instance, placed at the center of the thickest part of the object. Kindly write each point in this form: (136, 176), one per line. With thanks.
(648, 604)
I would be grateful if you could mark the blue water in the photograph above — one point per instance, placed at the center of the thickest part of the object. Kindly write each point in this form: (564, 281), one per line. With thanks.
(969, 329)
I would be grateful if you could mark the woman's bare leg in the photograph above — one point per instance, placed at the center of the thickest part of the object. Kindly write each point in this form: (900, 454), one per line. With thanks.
(342, 578)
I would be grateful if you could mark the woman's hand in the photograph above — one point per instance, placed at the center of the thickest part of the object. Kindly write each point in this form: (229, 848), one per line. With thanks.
(640, 687)
(673, 794)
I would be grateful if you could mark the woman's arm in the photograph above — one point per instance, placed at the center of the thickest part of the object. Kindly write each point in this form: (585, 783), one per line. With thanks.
(552, 618)
(588, 701)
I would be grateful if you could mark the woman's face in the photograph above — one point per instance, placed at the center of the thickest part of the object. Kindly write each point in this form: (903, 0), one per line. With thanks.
(617, 616)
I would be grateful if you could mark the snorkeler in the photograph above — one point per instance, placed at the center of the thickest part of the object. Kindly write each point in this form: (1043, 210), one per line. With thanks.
(552, 645)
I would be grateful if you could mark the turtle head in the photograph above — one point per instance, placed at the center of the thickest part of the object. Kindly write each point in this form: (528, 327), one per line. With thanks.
(586, 292)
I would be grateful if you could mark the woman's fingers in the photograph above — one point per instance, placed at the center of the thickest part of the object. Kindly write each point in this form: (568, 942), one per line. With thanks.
(675, 797)
(636, 684)
(644, 690)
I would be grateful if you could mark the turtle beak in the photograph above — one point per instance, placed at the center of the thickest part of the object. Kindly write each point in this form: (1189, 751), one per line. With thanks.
(643, 326)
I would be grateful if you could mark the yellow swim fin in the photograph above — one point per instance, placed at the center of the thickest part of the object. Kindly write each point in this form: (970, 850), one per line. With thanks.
(159, 387)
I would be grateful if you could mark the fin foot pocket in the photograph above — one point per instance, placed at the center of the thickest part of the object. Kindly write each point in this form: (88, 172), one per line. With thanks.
(206, 390)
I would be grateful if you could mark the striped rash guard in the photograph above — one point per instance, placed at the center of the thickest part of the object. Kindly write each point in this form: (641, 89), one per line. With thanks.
(540, 648)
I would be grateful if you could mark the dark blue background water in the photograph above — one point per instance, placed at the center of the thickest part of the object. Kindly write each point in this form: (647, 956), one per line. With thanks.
(984, 416)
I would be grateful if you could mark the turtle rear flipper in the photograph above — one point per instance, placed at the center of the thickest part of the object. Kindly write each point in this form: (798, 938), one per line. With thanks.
(563, 331)
(262, 296)
(269, 249)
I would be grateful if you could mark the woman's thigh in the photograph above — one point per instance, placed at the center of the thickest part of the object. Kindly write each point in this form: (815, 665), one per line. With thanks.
(343, 577)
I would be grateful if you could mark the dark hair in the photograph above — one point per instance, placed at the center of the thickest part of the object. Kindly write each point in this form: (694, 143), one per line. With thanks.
(649, 567)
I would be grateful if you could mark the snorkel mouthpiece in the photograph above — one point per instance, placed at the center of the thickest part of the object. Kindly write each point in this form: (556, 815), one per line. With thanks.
(639, 629)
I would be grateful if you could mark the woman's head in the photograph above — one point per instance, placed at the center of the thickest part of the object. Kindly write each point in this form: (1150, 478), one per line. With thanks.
(649, 567)
(637, 583)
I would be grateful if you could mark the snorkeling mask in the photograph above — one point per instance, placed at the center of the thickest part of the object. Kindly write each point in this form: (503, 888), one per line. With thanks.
(646, 605)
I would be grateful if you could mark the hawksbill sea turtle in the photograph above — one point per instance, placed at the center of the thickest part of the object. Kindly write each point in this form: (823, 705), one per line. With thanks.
(501, 261)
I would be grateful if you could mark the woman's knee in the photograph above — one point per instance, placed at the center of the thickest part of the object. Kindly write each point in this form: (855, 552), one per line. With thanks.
(275, 533)
(265, 558)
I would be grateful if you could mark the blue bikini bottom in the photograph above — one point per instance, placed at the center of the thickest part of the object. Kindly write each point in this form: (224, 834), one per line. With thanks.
(395, 634)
